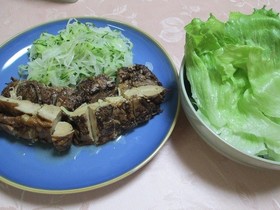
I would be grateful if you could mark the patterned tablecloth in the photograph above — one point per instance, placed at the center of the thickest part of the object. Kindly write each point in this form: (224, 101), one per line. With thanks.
(186, 173)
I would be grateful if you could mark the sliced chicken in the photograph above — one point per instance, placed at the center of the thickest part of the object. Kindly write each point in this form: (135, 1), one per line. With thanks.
(80, 121)
(18, 126)
(60, 118)
(110, 118)
(16, 107)
(88, 91)
(27, 120)
(62, 136)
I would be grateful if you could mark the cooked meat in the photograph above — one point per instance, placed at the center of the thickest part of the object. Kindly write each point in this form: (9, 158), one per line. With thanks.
(140, 81)
(143, 109)
(88, 91)
(111, 118)
(16, 126)
(93, 89)
(49, 115)
(122, 113)
(154, 93)
(136, 76)
(9, 89)
(31, 121)
(114, 116)
(95, 112)
(36, 92)
(12, 107)
(62, 136)
(81, 123)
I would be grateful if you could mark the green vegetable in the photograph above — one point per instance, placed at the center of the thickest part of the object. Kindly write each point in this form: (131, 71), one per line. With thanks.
(234, 71)
(76, 52)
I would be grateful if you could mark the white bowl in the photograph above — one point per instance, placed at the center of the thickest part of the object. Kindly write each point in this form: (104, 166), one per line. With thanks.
(210, 137)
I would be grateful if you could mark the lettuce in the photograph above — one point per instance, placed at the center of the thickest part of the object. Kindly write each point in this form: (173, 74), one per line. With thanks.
(75, 53)
(234, 71)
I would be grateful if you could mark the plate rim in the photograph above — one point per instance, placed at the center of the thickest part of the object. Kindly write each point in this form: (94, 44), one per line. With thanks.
(137, 167)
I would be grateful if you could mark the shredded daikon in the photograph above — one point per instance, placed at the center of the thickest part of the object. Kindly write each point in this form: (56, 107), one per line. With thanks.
(79, 51)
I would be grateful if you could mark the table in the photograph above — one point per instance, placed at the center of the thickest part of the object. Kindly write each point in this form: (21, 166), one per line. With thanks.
(186, 173)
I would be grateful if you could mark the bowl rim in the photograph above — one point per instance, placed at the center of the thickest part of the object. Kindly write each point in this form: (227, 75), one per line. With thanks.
(254, 161)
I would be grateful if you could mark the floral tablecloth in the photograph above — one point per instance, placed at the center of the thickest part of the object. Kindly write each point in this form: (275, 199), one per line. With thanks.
(186, 173)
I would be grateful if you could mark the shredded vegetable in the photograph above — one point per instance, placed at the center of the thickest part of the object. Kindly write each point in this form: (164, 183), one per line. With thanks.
(79, 51)
(234, 71)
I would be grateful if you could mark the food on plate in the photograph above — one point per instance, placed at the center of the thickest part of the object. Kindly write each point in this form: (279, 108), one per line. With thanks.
(233, 68)
(87, 91)
(137, 96)
(22, 118)
(79, 51)
(79, 87)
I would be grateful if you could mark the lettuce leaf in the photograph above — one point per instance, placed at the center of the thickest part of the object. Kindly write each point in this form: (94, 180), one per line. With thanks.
(234, 71)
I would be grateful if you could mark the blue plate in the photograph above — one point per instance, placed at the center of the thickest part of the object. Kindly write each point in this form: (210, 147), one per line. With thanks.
(37, 168)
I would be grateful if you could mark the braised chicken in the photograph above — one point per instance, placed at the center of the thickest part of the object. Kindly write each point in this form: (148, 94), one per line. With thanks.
(100, 110)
